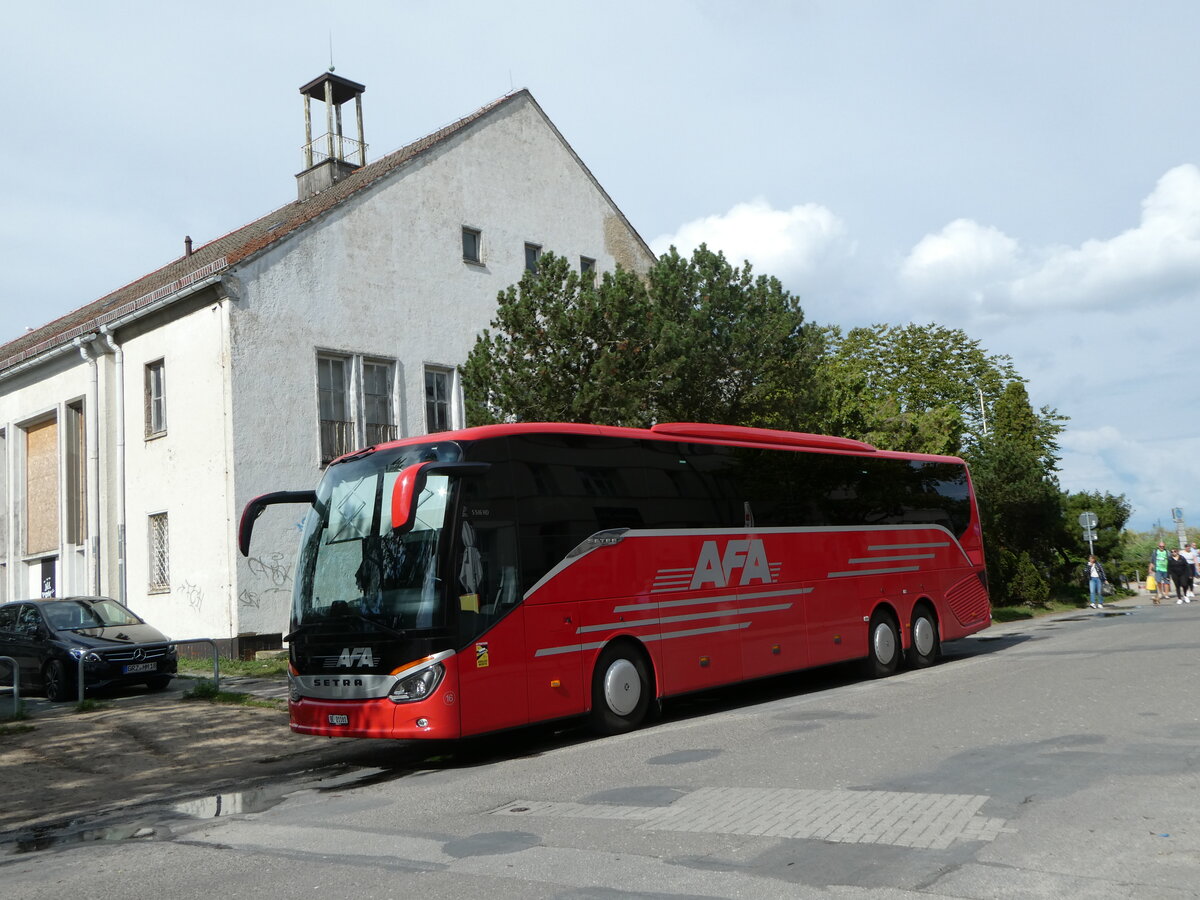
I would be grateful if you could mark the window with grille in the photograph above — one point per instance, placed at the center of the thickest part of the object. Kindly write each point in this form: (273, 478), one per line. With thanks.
(437, 399)
(377, 403)
(156, 398)
(160, 554)
(337, 429)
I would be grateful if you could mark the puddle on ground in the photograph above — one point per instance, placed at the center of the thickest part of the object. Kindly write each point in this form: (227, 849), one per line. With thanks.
(231, 803)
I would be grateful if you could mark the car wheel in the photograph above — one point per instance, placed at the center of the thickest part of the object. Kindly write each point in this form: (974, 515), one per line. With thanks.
(57, 682)
(158, 682)
(925, 645)
(883, 645)
(621, 691)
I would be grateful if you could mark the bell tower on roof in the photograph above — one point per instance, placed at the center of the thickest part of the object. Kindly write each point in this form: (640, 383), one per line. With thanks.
(330, 157)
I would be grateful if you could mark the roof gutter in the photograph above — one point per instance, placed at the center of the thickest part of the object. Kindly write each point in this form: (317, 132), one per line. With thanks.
(53, 347)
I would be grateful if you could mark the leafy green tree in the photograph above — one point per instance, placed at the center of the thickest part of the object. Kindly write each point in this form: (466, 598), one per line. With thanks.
(1112, 512)
(696, 340)
(1020, 503)
(911, 387)
(564, 348)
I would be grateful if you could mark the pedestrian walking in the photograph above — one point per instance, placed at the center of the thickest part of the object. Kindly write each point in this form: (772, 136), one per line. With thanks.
(1094, 572)
(1189, 553)
(1158, 560)
(1179, 569)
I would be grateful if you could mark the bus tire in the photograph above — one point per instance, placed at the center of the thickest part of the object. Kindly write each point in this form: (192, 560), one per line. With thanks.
(883, 645)
(925, 647)
(621, 692)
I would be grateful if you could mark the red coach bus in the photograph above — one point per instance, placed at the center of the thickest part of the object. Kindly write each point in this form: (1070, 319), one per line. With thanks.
(471, 581)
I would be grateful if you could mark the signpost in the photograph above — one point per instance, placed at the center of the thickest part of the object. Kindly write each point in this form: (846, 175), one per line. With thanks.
(1088, 521)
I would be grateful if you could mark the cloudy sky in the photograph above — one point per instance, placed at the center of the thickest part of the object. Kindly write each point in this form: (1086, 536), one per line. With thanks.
(1026, 171)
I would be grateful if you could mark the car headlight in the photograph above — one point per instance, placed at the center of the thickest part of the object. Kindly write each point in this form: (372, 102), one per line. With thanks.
(85, 655)
(419, 685)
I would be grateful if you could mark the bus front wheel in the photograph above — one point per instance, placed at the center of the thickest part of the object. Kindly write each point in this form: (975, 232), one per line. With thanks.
(620, 690)
(883, 645)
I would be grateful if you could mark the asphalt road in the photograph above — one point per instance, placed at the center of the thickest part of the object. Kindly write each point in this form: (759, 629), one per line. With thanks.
(1057, 758)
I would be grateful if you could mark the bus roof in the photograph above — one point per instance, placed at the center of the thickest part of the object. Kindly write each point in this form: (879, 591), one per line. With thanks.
(692, 432)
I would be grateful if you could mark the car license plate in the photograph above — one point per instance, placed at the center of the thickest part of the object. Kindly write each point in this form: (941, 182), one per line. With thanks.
(140, 667)
(339, 720)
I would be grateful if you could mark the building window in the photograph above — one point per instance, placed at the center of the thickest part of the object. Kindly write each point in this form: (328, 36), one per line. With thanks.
(472, 241)
(160, 554)
(437, 399)
(156, 398)
(76, 446)
(377, 403)
(532, 252)
(337, 430)
(41, 487)
(587, 265)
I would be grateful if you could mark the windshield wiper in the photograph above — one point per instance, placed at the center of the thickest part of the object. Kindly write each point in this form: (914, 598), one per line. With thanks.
(305, 626)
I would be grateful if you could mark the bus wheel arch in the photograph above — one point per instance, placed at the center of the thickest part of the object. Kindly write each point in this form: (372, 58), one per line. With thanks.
(924, 636)
(623, 688)
(883, 643)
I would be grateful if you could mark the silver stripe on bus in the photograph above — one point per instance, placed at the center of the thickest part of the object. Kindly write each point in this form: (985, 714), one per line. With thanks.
(576, 648)
(569, 648)
(742, 532)
(694, 601)
(874, 571)
(872, 559)
(906, 546)
(690, 617)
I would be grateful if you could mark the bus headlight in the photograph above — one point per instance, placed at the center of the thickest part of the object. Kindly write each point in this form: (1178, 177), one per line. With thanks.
(293, 687)
(419, 685)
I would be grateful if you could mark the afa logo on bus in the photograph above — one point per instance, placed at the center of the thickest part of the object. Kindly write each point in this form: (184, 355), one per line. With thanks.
(742, 562)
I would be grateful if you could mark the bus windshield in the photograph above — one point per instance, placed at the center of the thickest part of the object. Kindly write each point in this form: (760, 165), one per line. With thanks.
(355, 573)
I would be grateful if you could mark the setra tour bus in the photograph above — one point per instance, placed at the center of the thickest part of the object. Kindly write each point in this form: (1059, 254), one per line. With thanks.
(465, 582)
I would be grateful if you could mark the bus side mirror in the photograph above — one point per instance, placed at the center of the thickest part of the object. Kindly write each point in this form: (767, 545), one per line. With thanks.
(256, 506)
(411, 482)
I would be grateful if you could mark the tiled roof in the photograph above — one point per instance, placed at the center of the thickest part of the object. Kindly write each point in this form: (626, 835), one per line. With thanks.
(226, 251)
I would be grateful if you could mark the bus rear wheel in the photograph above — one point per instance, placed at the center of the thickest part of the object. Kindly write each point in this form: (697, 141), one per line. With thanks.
(925, 645)
(883, 645)
(620, 690)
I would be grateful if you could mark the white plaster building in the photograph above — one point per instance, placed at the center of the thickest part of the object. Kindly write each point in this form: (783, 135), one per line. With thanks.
(134, 429)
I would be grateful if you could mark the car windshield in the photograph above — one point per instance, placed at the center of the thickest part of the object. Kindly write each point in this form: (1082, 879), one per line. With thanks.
(67, 615)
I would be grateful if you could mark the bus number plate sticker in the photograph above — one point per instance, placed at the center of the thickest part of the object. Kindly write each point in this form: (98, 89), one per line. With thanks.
(339, 720)
(481, 655)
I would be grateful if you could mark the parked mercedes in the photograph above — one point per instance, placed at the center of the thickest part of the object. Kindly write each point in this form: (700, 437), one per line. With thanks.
(48, 638)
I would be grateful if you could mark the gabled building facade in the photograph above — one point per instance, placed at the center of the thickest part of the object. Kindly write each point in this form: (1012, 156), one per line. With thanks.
(134, 429)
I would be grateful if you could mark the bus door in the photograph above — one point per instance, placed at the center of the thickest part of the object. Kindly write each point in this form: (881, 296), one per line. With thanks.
(491, 628)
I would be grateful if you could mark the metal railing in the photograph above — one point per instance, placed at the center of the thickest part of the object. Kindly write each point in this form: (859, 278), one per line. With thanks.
(81, 668)
(16, 674)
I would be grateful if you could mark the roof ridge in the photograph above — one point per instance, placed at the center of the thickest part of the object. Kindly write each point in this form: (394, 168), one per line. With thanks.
(232, 247)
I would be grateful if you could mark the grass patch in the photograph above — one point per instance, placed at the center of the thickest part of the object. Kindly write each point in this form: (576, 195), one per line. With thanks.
(254, 668)
(206, 690)
(86, 705)
(9, 730)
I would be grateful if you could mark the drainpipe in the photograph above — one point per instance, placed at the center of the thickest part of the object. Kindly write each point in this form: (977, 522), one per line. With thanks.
(92, 494)
(119, 358)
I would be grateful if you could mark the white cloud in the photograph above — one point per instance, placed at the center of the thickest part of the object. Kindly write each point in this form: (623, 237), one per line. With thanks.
(800, 245)
(972, 267)
(965, 260)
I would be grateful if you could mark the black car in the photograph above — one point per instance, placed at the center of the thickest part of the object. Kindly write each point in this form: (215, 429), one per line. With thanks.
(49, 637)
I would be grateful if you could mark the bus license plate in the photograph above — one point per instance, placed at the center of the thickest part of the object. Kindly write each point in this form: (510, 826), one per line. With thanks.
(140, 667)
(339, 720)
